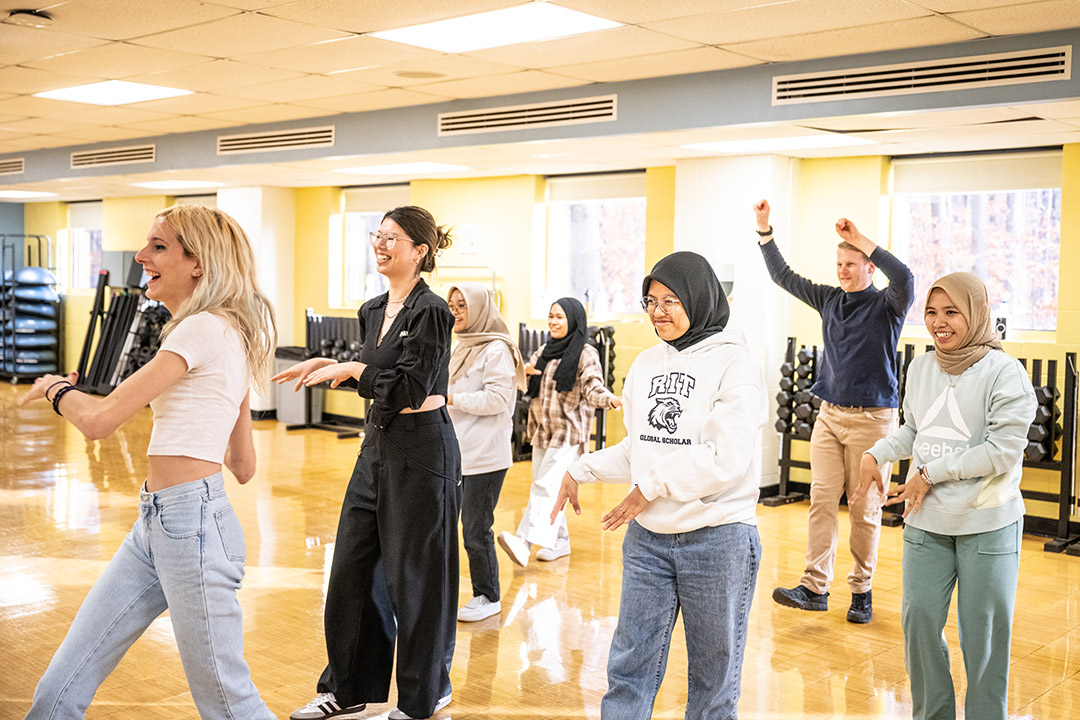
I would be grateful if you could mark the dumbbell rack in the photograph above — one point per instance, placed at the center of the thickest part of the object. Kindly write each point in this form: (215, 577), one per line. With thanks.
(785, 496)
(319, 330)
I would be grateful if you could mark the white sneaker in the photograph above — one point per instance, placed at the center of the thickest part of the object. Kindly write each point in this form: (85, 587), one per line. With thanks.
(396, 714)
(478, 608)
(517, 548)
(325, 705)
(561, 549)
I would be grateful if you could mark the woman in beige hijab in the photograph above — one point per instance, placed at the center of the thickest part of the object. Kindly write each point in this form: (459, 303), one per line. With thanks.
(485, 373)
(967, 408)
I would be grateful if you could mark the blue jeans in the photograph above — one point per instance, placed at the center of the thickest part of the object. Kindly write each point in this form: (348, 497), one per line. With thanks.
(983, 568)
(185, 554)
(480, 495)
(709, 574)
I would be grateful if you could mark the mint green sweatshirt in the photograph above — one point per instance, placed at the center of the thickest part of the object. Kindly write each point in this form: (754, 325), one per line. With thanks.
(970, 432)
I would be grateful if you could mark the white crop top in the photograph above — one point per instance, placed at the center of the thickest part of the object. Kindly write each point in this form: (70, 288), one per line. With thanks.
(196, 415)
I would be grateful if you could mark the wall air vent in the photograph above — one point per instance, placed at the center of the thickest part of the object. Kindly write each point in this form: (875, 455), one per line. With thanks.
(299, 139)
(114, 156)
(520, 117)
(13, 167)
(962, 73)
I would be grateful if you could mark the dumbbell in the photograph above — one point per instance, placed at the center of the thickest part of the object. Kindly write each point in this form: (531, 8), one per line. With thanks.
(804, 356)
(814, 416)
(787, 383)
(802, 430)
(787, 369)
(784, 398)
(1042, 415)
(802, 371)
(781, 426)
(339, 344)
(815, 401)
(803, 396)
(1037, 433)
(784, 412)
(1034, 452)
(1046, 394)
(803, 411)
(326, 347)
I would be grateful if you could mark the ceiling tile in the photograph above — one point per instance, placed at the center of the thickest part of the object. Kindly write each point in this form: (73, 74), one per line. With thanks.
(643, 11)
(786, 18)
(378, 100)
(28, 81)
(590, 47)
(45, 126)
(338, 55)
(196, 104)
(304, 88)
(519, 82)
(450, 67)
(19, 44)
(1064, 109)
(181, 125)
(104, 134)
(10, 118)
(1030, 18)
(215, 75)
(37, 142)
(240, 35)
(124, 19)
(249, 4)
(865, 39)
(40, 107)
(700, 59)
(115, 60)
(268, 114)
(372, 15)
(917, 119)
(115, 115)
(950, 6)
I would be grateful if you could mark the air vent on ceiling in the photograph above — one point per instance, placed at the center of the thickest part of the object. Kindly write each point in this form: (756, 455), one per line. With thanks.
(299, 139)
(114, 156)
(963, 73)
(519, 117)
(13, 167)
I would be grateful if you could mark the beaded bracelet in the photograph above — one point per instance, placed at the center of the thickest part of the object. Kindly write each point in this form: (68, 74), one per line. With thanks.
(58, 382)
(59, 394)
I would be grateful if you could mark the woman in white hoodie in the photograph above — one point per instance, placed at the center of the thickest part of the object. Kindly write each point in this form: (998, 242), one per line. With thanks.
(693, 407)
(967, 409)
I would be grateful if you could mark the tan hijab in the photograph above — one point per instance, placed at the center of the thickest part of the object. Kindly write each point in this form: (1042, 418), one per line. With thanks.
(968, 294)
(485, 325)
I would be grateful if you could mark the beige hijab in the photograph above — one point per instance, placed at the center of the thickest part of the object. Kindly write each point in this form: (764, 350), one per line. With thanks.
(485, 325)
(968, 294)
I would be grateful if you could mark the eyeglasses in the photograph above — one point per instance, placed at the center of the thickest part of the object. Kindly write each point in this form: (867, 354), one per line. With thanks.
(649, 304)
(387, 241)
(458, 308)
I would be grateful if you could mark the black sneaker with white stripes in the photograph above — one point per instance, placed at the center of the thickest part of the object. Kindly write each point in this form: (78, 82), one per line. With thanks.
(325, 705)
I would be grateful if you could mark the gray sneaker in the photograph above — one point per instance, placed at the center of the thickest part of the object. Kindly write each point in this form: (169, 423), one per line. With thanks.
(801, 597)
(862, 607)
(324, 705)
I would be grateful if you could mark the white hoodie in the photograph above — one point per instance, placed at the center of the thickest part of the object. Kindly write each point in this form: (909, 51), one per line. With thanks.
(692, 421)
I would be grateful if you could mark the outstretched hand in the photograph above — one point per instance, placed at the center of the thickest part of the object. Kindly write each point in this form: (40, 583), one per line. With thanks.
(568, 491)
(869, 476)
(630, 507)
(336, 373)
(42, 385)
(300, 371)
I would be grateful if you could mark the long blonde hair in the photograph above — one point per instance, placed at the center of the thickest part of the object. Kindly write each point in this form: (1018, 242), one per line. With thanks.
(228, 286)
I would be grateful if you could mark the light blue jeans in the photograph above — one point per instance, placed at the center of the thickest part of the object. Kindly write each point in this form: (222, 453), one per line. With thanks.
(983, 568)
(185, 554)
(709, 574)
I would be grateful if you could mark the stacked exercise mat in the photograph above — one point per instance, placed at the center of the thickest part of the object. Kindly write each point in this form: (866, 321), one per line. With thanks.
(30, 318)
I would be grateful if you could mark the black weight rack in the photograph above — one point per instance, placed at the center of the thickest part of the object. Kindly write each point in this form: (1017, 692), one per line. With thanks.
(342, 332)
(18, 344)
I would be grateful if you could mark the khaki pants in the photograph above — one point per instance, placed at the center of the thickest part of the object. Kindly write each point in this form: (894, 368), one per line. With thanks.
(841, 435)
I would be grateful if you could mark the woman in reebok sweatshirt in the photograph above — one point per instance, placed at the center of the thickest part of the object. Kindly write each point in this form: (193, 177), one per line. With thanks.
(967, 408)
(693, 407)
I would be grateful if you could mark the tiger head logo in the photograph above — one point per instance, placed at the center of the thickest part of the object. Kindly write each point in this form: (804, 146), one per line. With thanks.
(665, 414)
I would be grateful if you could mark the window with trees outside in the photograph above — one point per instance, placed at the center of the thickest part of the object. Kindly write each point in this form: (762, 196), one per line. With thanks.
(353, 277)
(997, 217)
(596, 241)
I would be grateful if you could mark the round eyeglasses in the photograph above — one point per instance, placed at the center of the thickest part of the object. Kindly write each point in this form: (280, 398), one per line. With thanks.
(387, 240)
(668, 304)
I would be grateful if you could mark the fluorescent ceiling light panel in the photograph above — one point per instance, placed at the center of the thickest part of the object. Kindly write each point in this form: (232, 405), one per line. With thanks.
(780, 144)
(24, 194)
(177, 184)
(112, 92)
(509, 26)
(413, 168)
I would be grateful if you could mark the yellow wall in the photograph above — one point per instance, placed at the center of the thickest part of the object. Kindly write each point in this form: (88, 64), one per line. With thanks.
(126, 221)
(49, 218)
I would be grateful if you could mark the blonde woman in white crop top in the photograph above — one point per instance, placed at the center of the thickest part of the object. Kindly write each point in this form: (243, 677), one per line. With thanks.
(185, 553)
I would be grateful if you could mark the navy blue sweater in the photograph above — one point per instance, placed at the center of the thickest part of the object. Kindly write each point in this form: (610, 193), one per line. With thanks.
(861, 329)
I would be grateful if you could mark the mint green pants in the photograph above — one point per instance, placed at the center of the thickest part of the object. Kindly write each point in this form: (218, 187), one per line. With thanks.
(984, 568)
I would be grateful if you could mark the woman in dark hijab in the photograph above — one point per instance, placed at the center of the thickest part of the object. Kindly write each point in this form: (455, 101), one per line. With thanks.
(693, 407)
(565, 384)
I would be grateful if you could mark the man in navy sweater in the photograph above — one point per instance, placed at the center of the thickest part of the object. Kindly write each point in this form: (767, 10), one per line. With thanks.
(856, 380)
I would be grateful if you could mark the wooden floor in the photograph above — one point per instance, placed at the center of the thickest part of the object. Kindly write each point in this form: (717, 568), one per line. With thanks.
(65, 505)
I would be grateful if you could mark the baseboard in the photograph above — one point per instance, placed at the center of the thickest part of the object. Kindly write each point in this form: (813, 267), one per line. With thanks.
(347, 420)
(264, 414)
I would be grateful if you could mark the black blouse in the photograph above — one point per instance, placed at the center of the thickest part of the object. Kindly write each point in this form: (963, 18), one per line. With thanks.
(413, 359)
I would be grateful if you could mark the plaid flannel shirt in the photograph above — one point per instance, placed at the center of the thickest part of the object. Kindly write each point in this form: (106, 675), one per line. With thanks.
(558, 418)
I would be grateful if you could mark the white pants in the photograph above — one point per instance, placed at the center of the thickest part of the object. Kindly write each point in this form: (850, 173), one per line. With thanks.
(549, 465)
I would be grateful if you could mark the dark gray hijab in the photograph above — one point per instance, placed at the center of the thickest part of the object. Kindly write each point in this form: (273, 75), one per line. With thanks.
(691, 278)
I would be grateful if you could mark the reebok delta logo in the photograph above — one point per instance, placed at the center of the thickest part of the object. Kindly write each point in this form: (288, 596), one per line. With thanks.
(943, 435)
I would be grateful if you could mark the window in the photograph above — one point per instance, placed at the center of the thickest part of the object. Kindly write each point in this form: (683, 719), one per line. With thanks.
(353, 277)
(84, 222)
(997, 217)
(596, 242)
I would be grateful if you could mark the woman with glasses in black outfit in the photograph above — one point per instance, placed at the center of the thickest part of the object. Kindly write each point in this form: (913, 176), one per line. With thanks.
(397, 535)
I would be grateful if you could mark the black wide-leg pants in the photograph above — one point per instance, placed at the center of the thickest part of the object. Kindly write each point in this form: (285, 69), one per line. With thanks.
(396, 556)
